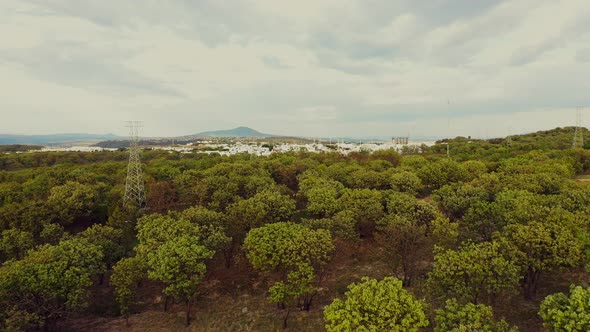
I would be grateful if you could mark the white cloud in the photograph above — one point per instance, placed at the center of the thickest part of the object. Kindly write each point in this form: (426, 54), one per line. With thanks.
(338, 68)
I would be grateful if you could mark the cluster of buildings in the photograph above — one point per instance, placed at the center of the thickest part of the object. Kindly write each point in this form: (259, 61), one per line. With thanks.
(258, 149)
(73, 149)
(265, 149)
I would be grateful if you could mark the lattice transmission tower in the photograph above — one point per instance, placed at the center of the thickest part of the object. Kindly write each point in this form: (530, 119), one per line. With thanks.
(578, 133)
(134, 185)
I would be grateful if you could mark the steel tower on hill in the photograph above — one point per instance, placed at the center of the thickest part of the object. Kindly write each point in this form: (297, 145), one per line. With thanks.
(578, 134)
(134, 185)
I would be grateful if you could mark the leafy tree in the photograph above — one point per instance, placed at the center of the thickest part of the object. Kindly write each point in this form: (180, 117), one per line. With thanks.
(469, 317)
(405, 244)
(223, 184)
(389, 155)
(406, 182)
(445, 233)
(373, 305)
(71, 200)
(155, 229)
(541, 247)
(50, 282)
(323, 201)
(176, 250)
(472, 272)
(562, 313)
(408, 206)
(180, 264)
(456, 199)
(413, 162)
(127, 275)
(521, 207)
(367, 179)
(483, 219)
(10, 192)
(52, 233)
(20, 320)
(366, 206)
(442, 172)
(109, 240)
(15, 243)
(295, 254)
(213, 226)
(475, 169)
(341, 226)
(27, 216)
(265, 207)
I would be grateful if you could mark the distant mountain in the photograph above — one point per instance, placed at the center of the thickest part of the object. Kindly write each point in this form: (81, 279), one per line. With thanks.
(54, 139)
(236, 132)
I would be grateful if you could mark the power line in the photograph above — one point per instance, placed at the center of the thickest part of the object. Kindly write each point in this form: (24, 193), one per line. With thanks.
(134, 184)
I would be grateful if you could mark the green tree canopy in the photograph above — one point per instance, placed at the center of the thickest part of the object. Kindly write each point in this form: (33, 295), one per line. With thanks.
(180, 264)
(52, 281)
(472, 272)
(406, 182)
(127, 274)
(539, 247)
(109, 239)
(468, 318)
(15, 243)
(295, 254)
(456, 199)
(405, 244)
(563, 313)
(72, 200)
(366, 206)
(373, 305)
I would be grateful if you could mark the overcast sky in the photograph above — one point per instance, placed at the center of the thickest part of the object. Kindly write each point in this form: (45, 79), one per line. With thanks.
(305, 67)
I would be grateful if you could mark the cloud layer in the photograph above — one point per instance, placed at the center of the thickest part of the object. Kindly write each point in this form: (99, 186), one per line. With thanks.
(314, 68)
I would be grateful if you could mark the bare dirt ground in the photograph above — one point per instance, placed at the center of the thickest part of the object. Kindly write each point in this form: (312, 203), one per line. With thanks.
(235, 300)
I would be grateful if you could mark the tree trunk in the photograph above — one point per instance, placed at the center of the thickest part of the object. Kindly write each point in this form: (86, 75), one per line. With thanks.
(188, 313)
(406, 281)
(286, 318)
(228, 257)
(530, 284)
(307, 300)
(101, 278)
(166, 304)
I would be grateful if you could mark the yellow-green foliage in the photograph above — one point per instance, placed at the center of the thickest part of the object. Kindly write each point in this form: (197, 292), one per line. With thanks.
(563, 313)
(376, 306)
(470, 317)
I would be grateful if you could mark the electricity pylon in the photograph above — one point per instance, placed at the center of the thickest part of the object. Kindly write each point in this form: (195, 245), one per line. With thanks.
(578, 134)
(134, 185)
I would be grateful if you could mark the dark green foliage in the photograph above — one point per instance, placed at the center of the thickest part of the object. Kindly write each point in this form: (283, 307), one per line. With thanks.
(50, 282)
(15, 243)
